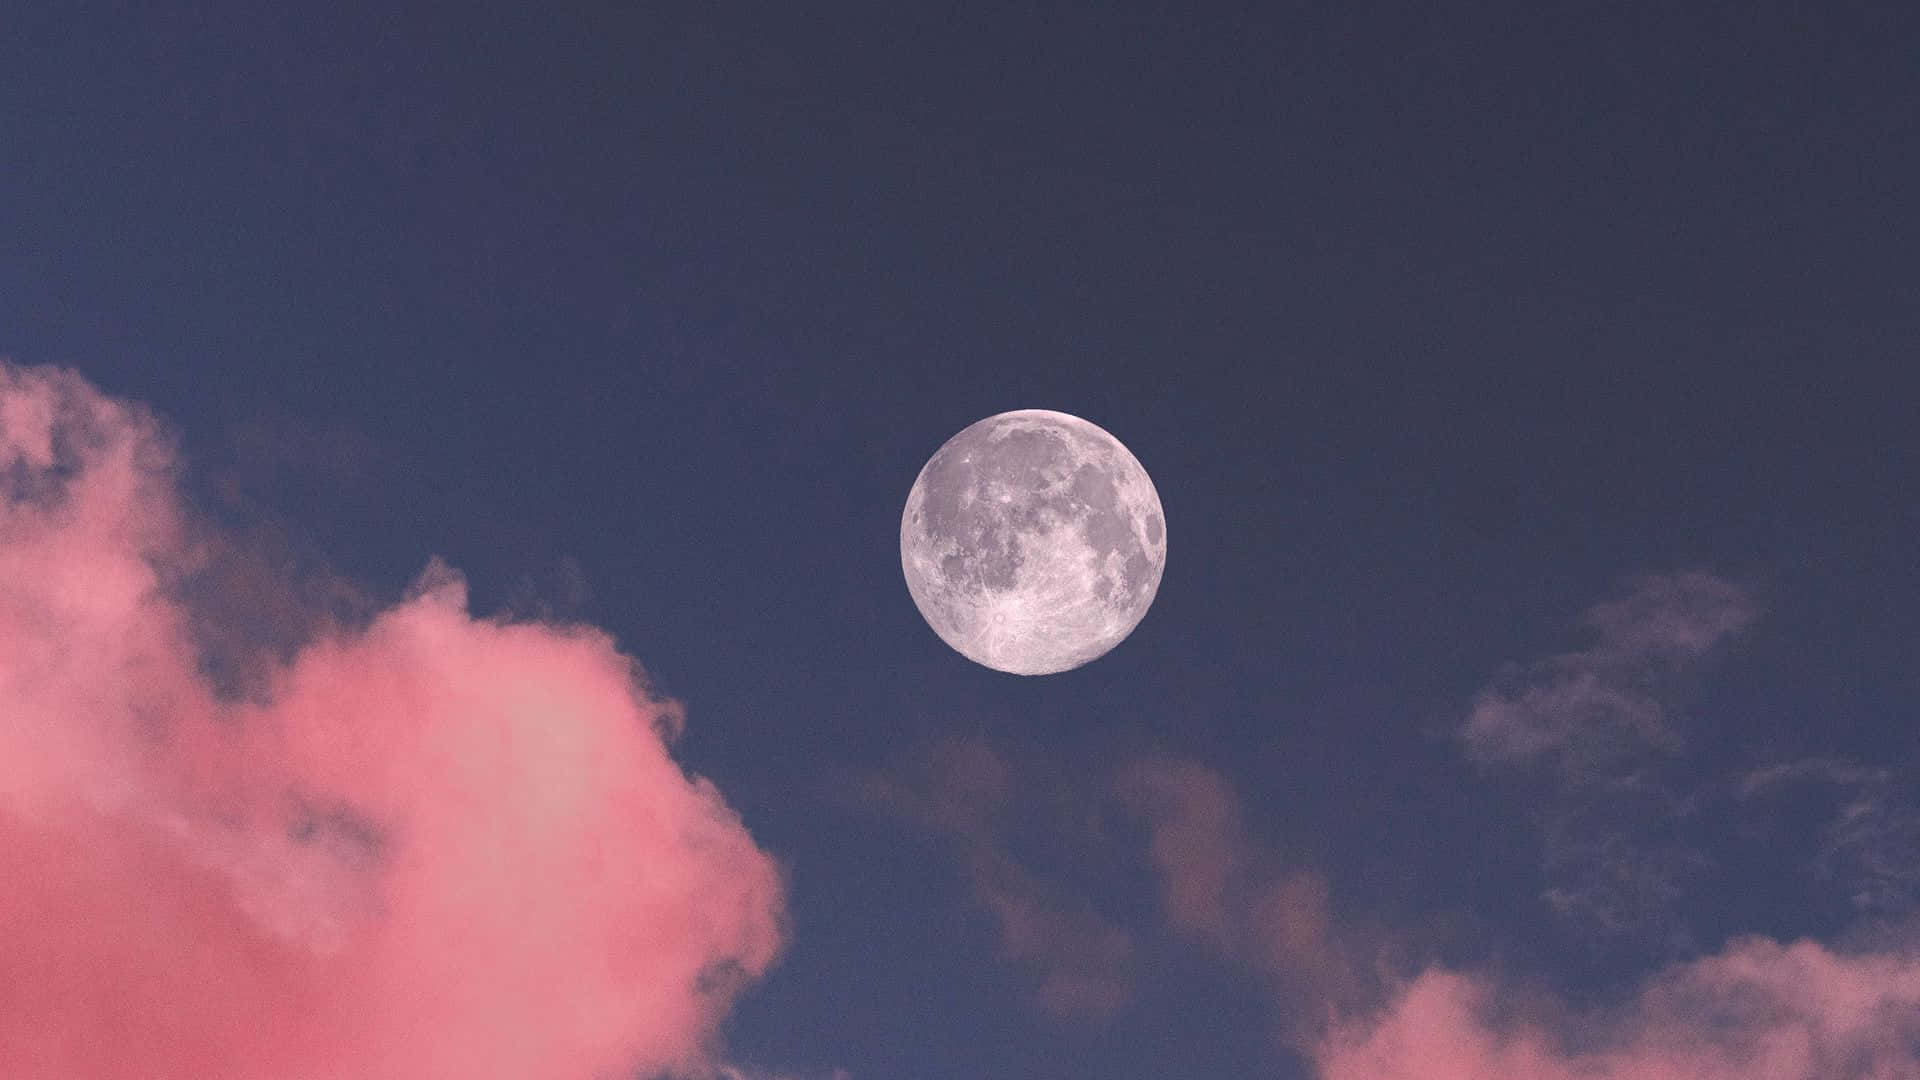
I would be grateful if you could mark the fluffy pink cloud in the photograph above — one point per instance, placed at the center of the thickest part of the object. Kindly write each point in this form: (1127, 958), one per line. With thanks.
(1759, 1010)
(433, 845)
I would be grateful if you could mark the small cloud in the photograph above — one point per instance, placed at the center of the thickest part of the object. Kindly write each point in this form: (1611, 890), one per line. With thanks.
(1219, 888)
(1616, 856)
(1673, 617)
(1590, 708)
(1079, 961)
(1194, 839)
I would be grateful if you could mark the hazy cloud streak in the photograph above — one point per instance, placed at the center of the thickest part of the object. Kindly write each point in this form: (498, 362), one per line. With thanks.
(1081, 962)
(1591, 707)
(1220, 888)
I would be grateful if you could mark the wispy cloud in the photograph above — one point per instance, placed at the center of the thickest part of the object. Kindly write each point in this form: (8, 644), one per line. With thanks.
(1586, 710)
(1224, 890)
(1869, 839)
(1195, 841)
(1609, 872)
(1607, 719)
(1080, 962)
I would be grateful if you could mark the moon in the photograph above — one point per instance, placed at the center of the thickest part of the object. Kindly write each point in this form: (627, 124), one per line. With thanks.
(1033, 542)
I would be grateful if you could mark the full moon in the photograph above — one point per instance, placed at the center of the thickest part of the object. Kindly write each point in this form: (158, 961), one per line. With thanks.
(1033, 542)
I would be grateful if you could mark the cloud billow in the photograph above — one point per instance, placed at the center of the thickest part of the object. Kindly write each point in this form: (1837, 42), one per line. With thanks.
(433, 845)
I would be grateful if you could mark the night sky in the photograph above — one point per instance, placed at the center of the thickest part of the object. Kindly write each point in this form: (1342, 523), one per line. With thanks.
(1530, 694)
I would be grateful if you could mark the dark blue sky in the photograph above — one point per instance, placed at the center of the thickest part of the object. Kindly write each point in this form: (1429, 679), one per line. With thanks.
(1435, 328)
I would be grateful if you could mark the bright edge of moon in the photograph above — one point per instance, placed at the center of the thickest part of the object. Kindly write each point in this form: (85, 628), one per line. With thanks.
(1033, 542)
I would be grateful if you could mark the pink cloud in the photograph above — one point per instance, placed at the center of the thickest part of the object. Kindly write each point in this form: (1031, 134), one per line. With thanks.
(1194, 839)
(433, 846)
(1601, 702)
(1680, 615)
(1220, 888)
(1759, 1010)
(1080, 960)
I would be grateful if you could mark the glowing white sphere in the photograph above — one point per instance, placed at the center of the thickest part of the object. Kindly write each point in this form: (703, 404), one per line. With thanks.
(1033, 542)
